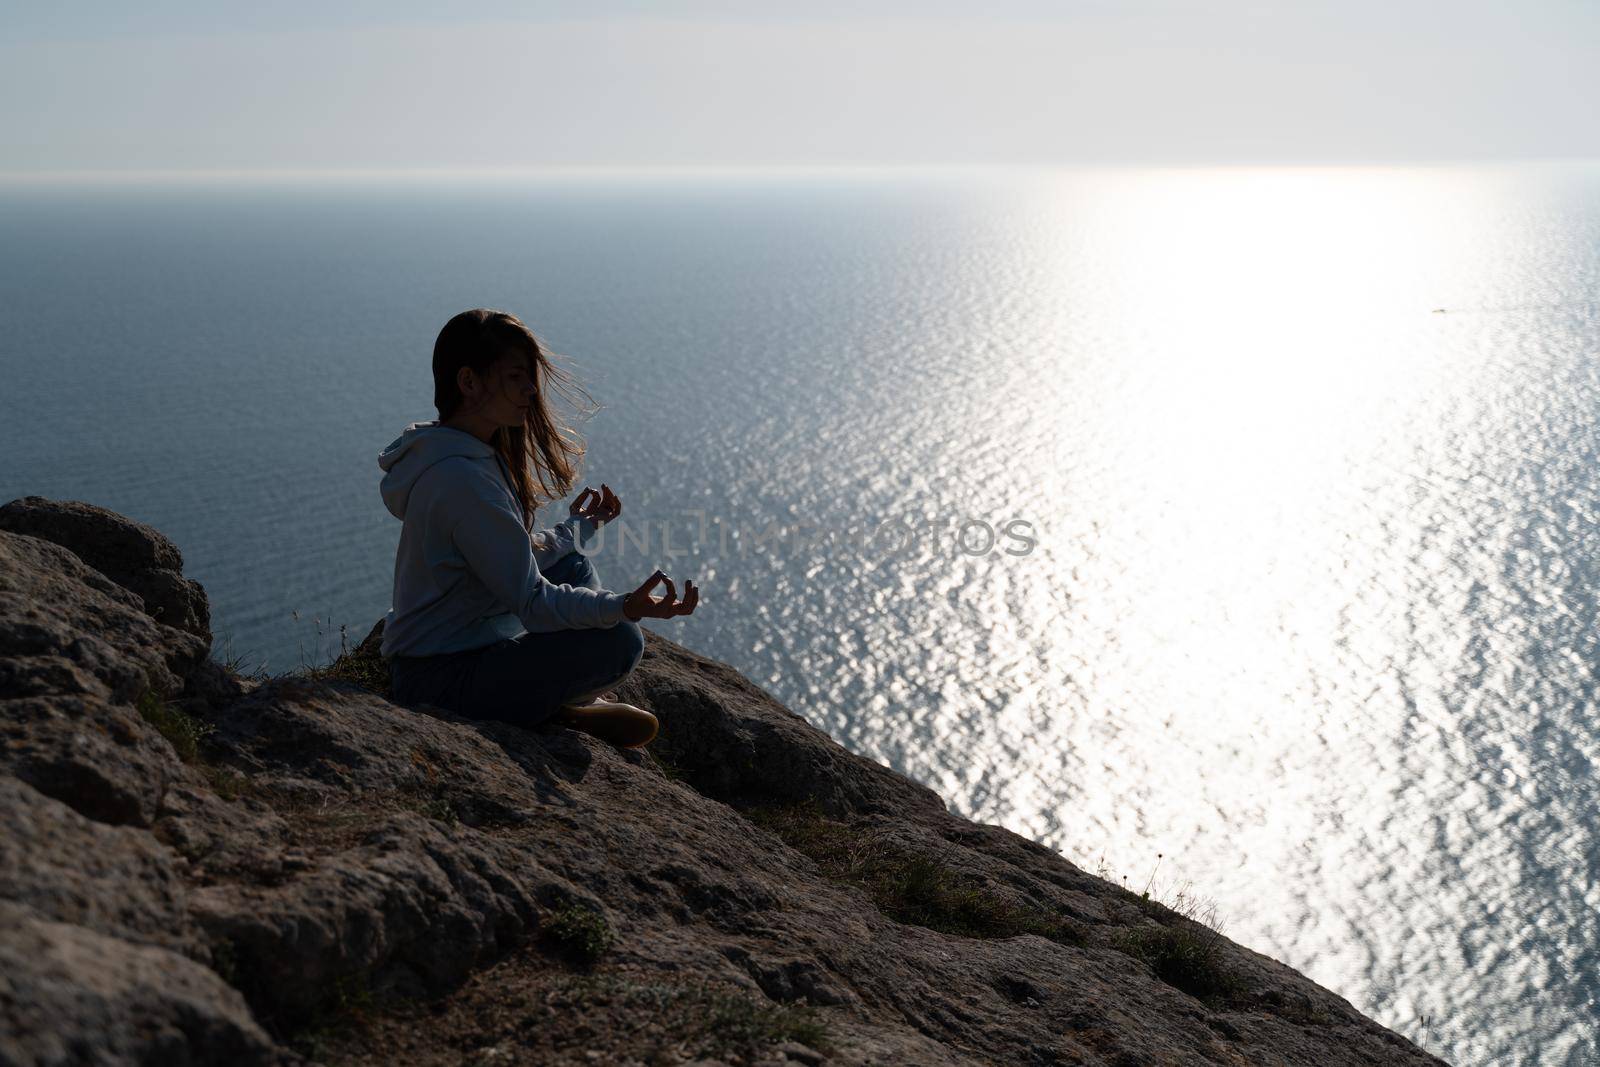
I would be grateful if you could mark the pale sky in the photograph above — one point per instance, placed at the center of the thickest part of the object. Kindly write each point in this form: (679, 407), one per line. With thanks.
(289, 85)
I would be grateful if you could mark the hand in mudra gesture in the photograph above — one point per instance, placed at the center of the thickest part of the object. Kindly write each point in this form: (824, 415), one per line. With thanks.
(641, 605)
(601, 509)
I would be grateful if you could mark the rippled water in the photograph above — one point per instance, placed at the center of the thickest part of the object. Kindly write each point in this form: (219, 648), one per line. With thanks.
(1306, 461)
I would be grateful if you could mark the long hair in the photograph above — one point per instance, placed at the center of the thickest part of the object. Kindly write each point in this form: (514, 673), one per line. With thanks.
(541, 455)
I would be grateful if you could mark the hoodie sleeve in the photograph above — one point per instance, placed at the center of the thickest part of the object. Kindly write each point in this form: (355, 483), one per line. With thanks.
(555, 542)
(491, 538)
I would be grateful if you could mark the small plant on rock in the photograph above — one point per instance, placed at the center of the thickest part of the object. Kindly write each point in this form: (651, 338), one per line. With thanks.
(1184, 946)
(580, 933)
(239, 664)
(431, 804)
(228, 783)
(1186, 957)
(361, 665)
(182, 730)
(340, 1020)
(694, 1020)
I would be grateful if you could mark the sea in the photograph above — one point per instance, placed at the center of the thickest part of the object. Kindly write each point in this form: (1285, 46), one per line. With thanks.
(1232, 531)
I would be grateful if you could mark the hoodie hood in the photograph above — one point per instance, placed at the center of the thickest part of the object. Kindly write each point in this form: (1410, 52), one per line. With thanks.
(421, 446)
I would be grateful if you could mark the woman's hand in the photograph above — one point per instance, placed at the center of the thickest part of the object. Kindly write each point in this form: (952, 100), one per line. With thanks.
(601, 509)
(641, 605)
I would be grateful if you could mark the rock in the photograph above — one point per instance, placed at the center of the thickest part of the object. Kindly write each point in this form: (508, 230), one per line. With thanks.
(113, 880)
(101, 759)
(65, 628)
(734, 740)
(371, 643)
(798, 1053)
(69, 995)
(747, 891)
(211, 687)
(355, 741)
(409, 911)
(77, 655)
(135, 556)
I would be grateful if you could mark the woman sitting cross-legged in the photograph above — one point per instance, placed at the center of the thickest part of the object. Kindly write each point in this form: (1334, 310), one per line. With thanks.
(491, 619)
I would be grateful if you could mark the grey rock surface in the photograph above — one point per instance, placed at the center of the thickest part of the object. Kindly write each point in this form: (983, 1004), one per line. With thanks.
(114, 880)
(69, 996)
(326, 874)
(77, 655)
(136, 556)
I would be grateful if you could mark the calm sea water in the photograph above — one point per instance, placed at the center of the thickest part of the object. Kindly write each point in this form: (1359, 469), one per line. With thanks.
(1297, 607)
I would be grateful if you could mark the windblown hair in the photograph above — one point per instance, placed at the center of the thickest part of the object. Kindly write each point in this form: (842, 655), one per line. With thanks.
(542, 455)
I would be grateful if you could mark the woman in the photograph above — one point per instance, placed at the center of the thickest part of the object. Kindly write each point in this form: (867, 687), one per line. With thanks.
(490, 619)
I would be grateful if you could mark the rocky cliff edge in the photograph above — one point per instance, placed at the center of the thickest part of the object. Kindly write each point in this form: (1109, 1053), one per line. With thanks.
(201, 867)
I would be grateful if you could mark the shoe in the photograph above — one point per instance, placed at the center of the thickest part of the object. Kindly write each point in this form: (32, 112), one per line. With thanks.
(620, 724)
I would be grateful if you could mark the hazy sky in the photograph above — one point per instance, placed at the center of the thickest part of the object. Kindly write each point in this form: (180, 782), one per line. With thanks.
(292, 85)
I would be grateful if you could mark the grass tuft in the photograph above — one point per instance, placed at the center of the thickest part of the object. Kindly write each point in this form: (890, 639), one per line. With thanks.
(671, 771)
(1185, 957)
(226, 782)
(702, 1021)
(1184, 946)
(239, 664)
(911, 888)
(182, 730)
(579, 933)
(225, 961)
(365, 670)
(360, 664)
(736, 1019)
(429, 803)
(344, 1017)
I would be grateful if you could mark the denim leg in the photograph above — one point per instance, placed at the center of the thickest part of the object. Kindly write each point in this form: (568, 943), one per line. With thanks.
(525, 679)
(573, 569)
(623, 648)
(435, 680)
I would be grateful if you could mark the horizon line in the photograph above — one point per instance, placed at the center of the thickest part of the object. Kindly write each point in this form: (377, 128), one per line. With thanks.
(291, 174)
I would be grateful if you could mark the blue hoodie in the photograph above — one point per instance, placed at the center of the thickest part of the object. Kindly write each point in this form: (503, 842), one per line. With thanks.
(467, 571)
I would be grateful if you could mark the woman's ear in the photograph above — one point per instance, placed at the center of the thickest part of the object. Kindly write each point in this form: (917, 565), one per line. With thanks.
(466, 382)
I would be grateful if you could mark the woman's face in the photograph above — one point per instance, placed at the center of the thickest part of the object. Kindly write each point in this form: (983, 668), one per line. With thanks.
(504, 395)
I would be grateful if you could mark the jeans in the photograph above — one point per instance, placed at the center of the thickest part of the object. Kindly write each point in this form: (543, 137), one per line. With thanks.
(525, 680)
